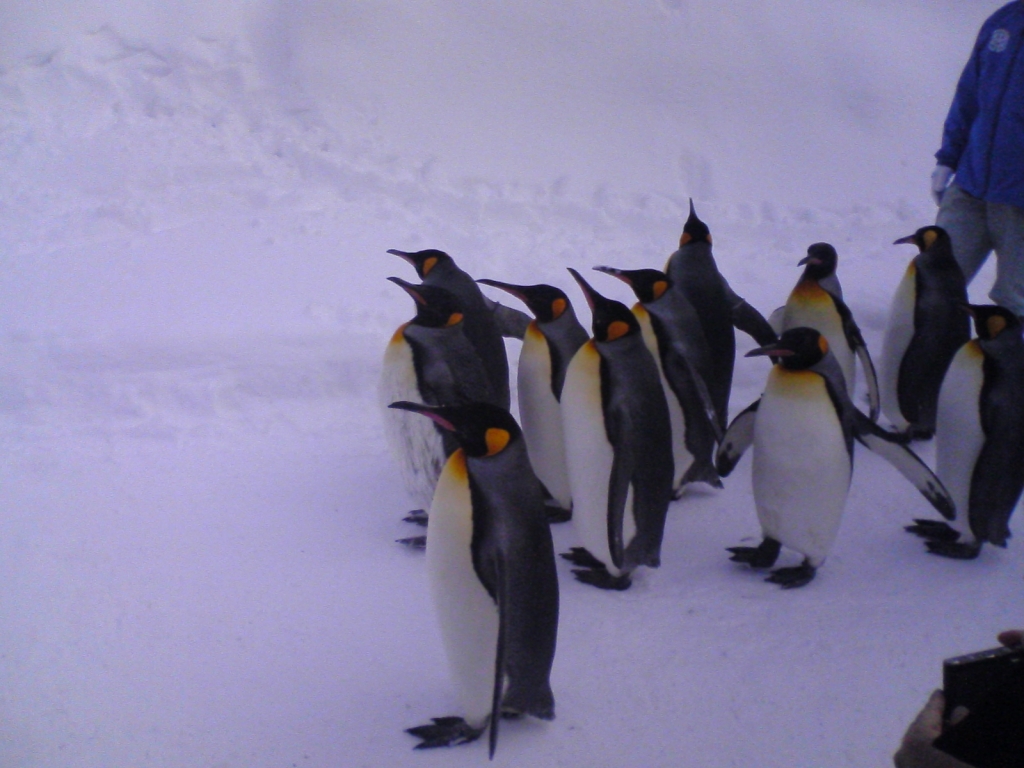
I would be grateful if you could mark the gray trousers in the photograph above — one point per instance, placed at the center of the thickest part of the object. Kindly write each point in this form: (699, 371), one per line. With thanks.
(976, 228)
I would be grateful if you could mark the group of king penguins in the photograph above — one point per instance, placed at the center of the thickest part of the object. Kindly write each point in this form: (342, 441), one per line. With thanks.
(617, 421)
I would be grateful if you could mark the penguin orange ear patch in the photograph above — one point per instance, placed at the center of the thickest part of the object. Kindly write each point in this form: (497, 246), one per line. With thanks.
(995, 325)
(454, 319)
(557, 308)
(823, 345)
(659, 288)
(429, 264)
(496, 440)
(930, 236)
(617, 330)
(684, 239)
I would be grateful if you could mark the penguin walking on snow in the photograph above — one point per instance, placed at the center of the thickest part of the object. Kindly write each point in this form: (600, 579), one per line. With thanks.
(979, 437)
(429, 360)
(802, 430)
(817, 302)
(694, 273)
(925, 329)
(486, 321)
(549, 344)
(491, 567)
(671, 329)
(618, 448)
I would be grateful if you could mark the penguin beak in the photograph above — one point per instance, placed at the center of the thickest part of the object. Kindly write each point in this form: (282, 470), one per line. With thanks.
(614, 273)
(403, 255)
(588, 292)
(410, 289)
(808, 260)
(426, 410)
(772, 350)
(905, 240)
(515, 290)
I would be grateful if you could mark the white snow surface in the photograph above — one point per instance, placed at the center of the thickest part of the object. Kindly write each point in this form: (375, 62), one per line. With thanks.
(197, 508)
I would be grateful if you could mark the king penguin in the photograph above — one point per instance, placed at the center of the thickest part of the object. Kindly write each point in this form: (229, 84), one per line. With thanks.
(925, 329)
(491, 569)
(694, 273)
(550, 342)
(671, 329)
(618, 447)
(486, 321)
(802, 430)
(979, 437)
(430, 360)
(817, 302)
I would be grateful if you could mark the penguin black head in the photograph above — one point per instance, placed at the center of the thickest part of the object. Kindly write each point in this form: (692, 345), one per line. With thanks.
(435, 307)
(424, 261)
(820, 262)
(481, 429)
(545, 301)
(695, 230)
(990, 320)
(796, 350)
(647, 284)
(611, 319)
(927, 237)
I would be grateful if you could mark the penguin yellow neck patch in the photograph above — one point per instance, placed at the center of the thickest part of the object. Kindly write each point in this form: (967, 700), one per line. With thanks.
(496, 440)
(995, 325)
(557, 308)
(429, 264)
(399, 335)
(617, 329)
(929, 238)
(823, 345)
(684, 239)
(454, 319)
(659, 288)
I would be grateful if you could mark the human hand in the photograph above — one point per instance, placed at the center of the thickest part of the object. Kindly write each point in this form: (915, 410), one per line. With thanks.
(1011, 638)
(916, 750)
(940, 180)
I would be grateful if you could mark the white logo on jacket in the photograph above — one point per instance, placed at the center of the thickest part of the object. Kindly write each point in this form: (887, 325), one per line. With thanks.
(1000, 39)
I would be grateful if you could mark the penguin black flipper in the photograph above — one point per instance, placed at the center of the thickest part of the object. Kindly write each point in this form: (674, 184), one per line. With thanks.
(511, 322)
(747, 319)
(737, 439)
(856, 341)
(906, 462)
(996, 485)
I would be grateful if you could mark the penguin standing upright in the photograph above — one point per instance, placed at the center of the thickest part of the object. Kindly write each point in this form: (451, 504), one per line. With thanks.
(672, 331)
(802, 430)
(549, 344)
(491, 567)
(925, 329)
(979, 437)
(817, 302)
(486, 321)
(618, 447)
(430, 360)
(694, 273)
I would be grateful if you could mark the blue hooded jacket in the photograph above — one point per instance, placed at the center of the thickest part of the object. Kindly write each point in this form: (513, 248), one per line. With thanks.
(983, 138)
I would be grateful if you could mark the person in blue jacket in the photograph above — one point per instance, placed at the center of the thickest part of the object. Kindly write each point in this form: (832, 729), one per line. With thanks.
(983, 155)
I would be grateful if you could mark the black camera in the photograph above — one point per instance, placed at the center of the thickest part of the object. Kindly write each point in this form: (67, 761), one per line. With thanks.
(990, 685)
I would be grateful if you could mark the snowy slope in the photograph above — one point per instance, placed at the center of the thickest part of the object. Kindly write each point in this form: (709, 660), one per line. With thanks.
(196, 504)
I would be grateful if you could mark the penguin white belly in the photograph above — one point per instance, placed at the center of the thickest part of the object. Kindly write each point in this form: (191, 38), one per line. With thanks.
(681, 457)
(467, 615)
(958, 434)
(541, 417)
(801, 468)
(816, 309)
(412, 439)
(589, 456)
(899, 330)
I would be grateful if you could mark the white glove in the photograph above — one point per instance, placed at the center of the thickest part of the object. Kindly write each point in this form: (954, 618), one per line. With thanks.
(940, 180)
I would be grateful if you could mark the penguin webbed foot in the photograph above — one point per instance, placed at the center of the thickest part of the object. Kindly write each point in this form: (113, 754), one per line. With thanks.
(416, 517)
(791, 578)
(414, 542)
(955, 550)
(762, 556)
(445, 732)
(933, 530)
(581, 556)
(603, 579)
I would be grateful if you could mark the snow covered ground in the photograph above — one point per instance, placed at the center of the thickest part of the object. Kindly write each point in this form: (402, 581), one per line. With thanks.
(196, 504)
